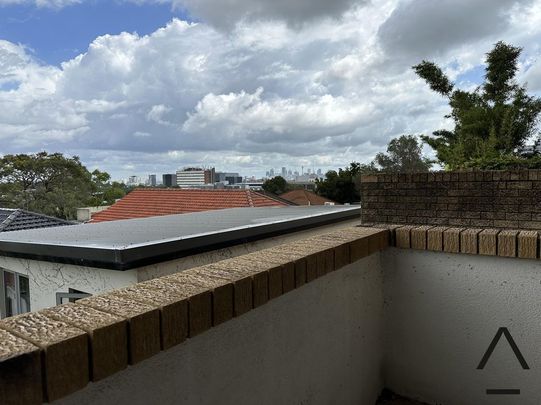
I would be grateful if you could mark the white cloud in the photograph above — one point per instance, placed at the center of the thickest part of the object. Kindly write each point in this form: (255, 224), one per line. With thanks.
(241, 114)
(265, 93)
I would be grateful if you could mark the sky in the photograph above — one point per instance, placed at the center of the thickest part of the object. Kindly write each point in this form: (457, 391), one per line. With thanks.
(135, 87)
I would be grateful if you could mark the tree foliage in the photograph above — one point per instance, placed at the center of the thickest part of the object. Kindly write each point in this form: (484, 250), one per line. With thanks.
(276, 185)
(48, 183)
(404, 154)
(491, 123)
(103, 191)
(342, 186)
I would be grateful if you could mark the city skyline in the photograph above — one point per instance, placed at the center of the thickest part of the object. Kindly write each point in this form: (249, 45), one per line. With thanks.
(141, 179)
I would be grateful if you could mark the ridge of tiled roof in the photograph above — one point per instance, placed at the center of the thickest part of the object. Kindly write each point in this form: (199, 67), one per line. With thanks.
(276, 197)
(15, 219)
(141, 203)
(305, 197)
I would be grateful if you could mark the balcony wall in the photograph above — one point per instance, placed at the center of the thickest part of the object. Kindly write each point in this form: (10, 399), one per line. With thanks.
(319, 344)
(443, 310)
(331, 319)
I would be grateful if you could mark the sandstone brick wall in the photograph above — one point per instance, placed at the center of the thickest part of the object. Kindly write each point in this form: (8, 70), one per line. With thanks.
(498, 199)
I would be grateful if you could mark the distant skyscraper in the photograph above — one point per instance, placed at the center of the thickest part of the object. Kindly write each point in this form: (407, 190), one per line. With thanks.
(271, 173)
(152, 180)
(319, 172)
(169, 180)
(284, 172)
(133, 181)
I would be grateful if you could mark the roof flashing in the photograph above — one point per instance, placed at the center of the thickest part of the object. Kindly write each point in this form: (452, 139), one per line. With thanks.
(127, 244)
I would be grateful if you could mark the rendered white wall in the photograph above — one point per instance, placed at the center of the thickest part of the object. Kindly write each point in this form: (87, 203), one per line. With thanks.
(46, 279)
(319, 344)
(441, 313)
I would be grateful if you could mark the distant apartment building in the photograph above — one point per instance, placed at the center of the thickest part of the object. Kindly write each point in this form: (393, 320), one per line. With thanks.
(228, 178)
(152, 180)
(169, 180)
(195, 176)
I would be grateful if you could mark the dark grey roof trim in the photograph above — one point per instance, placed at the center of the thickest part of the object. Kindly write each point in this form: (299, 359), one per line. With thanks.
(140, 254)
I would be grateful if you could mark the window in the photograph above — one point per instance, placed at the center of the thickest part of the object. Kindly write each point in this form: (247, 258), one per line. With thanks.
(15, 293)
(72, 295)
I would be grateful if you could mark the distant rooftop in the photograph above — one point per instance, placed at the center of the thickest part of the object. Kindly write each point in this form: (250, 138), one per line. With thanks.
(18, 219)
(305, 197)
(126, 244)
(142, 203)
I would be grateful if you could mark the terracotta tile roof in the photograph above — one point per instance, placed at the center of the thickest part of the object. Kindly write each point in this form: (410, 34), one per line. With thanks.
(141, 203)
(305, 197)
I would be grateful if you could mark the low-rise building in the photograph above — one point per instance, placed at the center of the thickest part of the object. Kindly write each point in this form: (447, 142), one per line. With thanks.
(228, 178)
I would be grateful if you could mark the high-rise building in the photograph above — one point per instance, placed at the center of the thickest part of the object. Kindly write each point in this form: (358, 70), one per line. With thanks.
(195, 176)
(271, 173)
(284, 172)
(135, 181)
(152, 180)
(169, 180)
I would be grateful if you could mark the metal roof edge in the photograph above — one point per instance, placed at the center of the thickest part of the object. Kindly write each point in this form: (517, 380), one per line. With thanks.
(159, 251)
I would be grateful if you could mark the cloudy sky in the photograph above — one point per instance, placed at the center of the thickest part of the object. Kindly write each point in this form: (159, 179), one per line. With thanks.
(147, 86)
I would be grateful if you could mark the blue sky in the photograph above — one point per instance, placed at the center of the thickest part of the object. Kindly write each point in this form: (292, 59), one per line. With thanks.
(55, 35)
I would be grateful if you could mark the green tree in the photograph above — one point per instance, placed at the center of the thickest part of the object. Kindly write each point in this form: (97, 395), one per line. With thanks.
(276, 185)
(103, 191)
(114, 191)
(342, 186)
(48, 183)
(404, 154)
(491, 123)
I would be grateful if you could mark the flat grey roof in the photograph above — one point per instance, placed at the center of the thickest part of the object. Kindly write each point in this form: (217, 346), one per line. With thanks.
(131, 243)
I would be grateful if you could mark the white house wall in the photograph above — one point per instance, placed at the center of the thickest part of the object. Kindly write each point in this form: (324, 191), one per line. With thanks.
(46, 279)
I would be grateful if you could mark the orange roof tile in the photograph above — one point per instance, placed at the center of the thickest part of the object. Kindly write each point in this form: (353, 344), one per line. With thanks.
(141, 203)
(305, 197)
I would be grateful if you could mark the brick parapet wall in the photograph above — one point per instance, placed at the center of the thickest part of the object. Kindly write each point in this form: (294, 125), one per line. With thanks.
(497, 199)
(49, 354)
(523, 244)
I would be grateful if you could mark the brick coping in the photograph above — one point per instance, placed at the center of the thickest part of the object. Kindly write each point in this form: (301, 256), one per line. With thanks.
(52, 353)
(524, 244)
